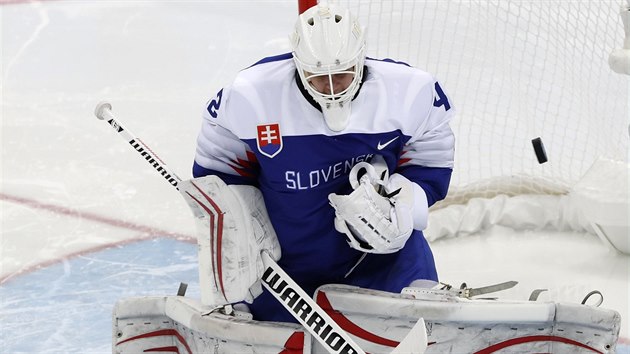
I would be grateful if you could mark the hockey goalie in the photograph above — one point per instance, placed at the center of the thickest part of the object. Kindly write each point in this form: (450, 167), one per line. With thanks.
(314, 173)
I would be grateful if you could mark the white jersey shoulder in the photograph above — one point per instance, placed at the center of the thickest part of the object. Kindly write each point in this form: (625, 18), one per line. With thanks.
(399, 95)
(393, 97)
(259, 94)
(411, 100)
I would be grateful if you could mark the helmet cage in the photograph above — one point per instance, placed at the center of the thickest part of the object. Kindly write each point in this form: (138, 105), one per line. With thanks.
(353, 66)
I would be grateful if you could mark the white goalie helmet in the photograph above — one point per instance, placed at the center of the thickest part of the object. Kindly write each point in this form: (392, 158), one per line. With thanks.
(329, 52)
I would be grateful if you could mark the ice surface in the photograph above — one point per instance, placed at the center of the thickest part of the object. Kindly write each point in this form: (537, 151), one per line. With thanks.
(67, 307)
(71, 187)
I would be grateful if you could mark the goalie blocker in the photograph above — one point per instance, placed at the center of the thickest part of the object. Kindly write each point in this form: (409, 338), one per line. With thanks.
(233, 228)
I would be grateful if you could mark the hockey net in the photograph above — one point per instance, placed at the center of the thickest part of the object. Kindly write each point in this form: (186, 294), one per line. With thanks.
(515, 70)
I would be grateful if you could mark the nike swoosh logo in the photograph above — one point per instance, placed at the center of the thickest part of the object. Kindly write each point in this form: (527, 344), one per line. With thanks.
(382, 146)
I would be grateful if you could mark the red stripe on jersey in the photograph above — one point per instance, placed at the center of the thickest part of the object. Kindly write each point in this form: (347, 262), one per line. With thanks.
(401, 160)
(251, 157)
(242, 172)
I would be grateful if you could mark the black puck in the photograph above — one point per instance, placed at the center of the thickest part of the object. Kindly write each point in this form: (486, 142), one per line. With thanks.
(539, 149)
(182, 289)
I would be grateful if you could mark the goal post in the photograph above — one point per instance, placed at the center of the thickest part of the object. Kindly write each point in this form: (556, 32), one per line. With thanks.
(516, 71)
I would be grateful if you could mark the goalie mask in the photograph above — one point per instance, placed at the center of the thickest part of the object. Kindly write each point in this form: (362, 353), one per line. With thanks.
(329, 53)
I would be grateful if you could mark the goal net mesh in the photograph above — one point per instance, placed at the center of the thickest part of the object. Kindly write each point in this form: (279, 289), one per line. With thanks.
(514, 71)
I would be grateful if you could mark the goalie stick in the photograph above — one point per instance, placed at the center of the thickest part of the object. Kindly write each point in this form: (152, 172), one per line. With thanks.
(103, 111)
(314, 319)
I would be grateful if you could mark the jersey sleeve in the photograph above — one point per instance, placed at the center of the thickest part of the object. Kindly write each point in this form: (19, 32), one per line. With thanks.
(427, 158)
(219, 151)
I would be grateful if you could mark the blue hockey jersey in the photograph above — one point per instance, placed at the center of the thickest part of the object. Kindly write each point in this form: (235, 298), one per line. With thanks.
(265, 130)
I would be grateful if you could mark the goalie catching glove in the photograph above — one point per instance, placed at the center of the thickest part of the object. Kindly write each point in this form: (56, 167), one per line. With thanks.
(382, 211)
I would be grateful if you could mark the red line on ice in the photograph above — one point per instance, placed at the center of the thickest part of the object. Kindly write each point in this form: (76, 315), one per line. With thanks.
(57, 209)
(146, 232)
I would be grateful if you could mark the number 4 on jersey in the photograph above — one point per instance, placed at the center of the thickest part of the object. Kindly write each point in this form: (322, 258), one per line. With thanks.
(441, 99)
